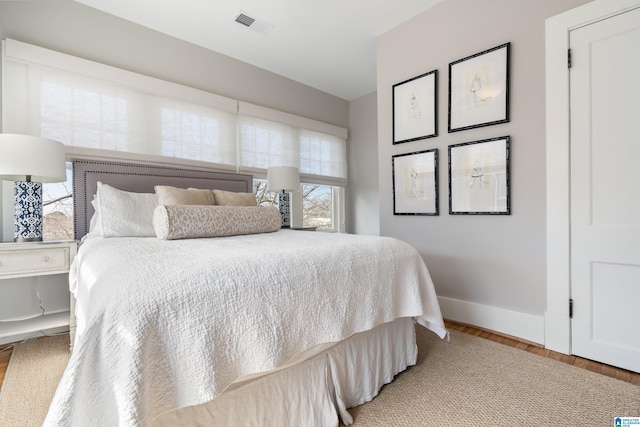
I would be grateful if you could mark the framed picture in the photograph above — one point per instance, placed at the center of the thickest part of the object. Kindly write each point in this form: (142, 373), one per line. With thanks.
(415, 183)
(479, 89)
(414, 108)
(479, 177)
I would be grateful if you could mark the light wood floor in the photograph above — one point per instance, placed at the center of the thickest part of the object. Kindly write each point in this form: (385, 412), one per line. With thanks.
(621, 374)
(4, 361)
(600, 368)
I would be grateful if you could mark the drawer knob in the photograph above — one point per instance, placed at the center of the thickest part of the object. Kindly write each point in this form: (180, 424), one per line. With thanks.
(46, 259)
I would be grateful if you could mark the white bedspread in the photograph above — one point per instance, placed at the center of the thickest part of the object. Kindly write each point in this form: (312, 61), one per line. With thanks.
(168, 324)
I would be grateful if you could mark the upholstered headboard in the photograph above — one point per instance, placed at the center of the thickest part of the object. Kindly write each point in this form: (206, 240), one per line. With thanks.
(141, 178)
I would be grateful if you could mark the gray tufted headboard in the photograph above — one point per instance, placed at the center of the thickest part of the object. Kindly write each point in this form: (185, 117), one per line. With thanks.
(141, 178)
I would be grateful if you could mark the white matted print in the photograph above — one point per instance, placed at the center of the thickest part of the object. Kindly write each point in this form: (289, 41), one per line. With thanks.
(415, 183)
(479, 177)
(479, 89)
(414, 108)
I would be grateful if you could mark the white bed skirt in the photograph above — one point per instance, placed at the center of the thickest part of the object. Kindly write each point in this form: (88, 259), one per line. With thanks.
(314, 389)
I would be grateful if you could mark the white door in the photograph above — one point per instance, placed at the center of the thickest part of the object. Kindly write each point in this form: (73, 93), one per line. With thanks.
(605, 190)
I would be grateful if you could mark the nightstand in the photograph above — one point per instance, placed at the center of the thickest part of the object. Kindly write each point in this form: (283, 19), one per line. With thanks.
(46, 263)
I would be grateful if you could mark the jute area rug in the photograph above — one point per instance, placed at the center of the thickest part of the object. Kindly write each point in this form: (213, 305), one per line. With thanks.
(467, 381)
(31, 379)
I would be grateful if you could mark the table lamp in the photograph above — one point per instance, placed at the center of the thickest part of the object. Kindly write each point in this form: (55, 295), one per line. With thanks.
(30, 161)
(283, 179)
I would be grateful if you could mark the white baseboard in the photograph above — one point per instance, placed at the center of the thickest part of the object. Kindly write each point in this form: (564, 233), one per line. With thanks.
(525, 326)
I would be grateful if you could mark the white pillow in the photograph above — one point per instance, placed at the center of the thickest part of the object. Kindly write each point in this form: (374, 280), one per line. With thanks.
(124, 214)
(95, 224)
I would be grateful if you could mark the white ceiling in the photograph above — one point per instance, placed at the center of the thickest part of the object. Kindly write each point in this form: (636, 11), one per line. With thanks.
(327, 44)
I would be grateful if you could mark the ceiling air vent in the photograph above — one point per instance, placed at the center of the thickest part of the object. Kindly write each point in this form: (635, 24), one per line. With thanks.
(245, 20)
(255, 24)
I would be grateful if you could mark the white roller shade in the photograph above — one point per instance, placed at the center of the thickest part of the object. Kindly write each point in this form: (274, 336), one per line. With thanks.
(271, 138)
(86, 104)
(92, 106)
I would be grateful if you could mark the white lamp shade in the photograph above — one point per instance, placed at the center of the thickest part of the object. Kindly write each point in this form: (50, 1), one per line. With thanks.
(283, 178)
(25, 157)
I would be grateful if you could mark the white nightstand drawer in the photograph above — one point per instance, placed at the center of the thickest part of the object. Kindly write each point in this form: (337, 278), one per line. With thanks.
(34, 259)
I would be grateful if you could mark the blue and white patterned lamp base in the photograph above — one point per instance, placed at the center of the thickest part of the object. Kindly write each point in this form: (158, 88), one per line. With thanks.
(285, 213)
(28, 212)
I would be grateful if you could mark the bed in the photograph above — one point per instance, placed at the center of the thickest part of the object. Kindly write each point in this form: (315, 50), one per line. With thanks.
(245, 326)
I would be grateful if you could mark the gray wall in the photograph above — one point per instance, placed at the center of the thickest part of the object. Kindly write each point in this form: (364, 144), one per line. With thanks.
(495, 261)
(362, 192)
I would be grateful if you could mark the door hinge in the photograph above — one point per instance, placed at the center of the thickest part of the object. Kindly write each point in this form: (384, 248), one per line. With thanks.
(570, 308)
(569, 58)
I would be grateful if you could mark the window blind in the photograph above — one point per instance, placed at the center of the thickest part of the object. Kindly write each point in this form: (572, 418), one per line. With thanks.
(91, 105)
(86, 104)
(263, 143)
(273, 138)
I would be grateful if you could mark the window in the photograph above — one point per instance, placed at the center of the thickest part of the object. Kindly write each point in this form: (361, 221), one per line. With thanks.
(90, 105)
(318, 204)
(269, 138)
(82, 116)
(323, 156)
(263, 144)
(57, 209)
(101, 108)
(197, 133)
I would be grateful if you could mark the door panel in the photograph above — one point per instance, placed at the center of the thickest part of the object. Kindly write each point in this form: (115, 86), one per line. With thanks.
(605, 191)
(609, 281)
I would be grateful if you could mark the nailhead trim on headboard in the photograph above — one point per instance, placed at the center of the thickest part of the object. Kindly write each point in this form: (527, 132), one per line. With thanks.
(143, 177)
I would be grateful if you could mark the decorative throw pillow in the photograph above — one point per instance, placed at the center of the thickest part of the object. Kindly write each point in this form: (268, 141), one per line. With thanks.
(230, 198)
(191, 221)
(123, 213)
(168, 195)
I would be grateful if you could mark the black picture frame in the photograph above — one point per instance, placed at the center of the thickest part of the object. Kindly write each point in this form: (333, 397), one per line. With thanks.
(479, 89)
(414, 108)
(479, 177)
(415, 183)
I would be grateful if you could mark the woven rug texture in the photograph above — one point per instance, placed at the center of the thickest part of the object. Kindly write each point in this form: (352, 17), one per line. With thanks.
(466, 381)
(31, 379)
(470, 381)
